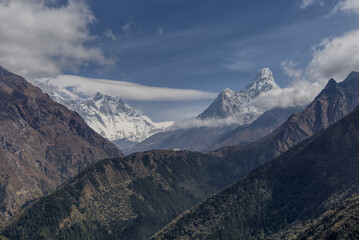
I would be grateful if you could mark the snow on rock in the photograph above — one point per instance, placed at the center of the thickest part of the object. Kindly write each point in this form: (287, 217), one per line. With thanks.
(113, 119)
(233, 103)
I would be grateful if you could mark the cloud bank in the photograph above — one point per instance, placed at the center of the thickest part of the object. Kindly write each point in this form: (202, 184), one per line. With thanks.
(41, 37)
(78, 87)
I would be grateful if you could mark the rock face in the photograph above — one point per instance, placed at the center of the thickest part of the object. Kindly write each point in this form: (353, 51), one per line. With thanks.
(114, 119)
(310, 192)
(238, 104)
(42, 143)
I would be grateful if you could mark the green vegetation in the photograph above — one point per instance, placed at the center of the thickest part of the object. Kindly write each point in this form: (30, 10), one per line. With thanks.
(340, 221)
(125, 198)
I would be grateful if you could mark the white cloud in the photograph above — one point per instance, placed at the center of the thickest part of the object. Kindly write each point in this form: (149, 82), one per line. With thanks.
(196, 123)
(332, 58)
(110, 35)
(300, 93)
(303, 4)
(290, 68)
(130, 27)
(127, 27)
(86, 87)
(39, 39)
(160, 31)
(335, 58)
(350, 6)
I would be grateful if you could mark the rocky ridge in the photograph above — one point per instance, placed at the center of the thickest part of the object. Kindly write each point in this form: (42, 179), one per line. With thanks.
(42, 144)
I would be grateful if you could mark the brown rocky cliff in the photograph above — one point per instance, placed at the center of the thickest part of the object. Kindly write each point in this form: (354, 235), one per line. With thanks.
(42, 143)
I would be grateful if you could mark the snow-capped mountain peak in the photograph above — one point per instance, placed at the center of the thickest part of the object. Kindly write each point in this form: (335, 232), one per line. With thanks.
(230, 103)
(227, 93)
(114, 119)
(262, 82)
(109, 105)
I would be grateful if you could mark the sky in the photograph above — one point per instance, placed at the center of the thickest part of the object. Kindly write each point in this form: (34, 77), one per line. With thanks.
(170, 58)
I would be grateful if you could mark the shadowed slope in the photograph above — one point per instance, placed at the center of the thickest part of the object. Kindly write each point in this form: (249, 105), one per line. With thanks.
(262, 126)
(299, 186)
(42, 143)
(125, 198)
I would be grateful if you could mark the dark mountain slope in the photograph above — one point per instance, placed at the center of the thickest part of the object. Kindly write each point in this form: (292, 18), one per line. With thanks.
(262, 126)
(193, 139)
(42, 143)
(295, 188)
(125, 198)
(339, 221)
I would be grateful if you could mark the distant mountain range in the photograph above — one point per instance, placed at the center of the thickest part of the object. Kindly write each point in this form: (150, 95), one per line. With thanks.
(42, 144)
(133, 132)
(230, 104)
(262, 126)
(193, 139)
(135, 196)
(113, 119)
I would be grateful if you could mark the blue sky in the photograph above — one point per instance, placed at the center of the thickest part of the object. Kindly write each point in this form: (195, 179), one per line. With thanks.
(204, 45)
(210, 45)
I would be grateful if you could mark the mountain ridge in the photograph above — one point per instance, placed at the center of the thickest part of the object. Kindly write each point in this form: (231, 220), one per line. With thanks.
(42, 143)
(293, 189)
(262, 126)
